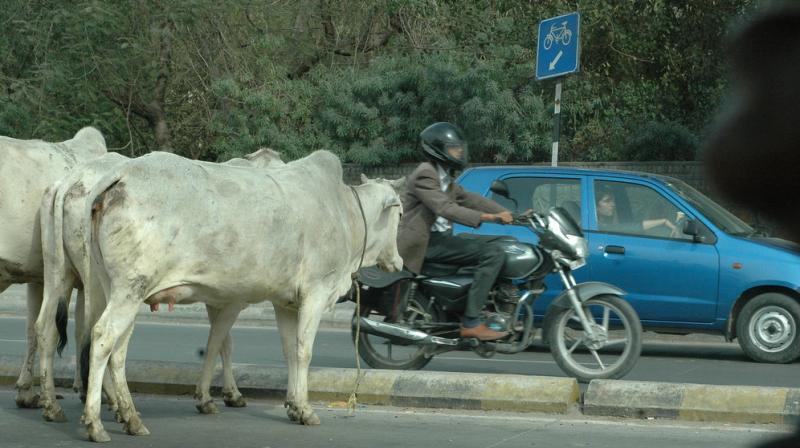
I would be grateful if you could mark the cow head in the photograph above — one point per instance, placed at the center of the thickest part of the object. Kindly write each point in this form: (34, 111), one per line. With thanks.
(382, 210)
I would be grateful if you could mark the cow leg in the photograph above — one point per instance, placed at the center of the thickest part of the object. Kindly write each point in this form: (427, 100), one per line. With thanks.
(80, 319)
(126, 412)
(286, 318)
(86, 313)
(56, 301)
(113, 323)
(26, 396)
(221, 320)
(297, 390)
(230, 392)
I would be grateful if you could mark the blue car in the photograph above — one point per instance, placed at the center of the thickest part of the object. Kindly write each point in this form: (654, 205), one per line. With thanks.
(687, 264)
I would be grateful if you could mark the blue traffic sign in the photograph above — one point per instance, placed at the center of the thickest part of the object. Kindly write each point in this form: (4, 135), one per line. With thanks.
(558, 49)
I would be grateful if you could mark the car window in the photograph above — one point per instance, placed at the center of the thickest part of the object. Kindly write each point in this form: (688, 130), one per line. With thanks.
(637, 210)
(725, 220)
(541, 193)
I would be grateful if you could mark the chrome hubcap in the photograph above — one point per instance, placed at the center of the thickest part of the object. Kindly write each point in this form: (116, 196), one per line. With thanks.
(772, 329)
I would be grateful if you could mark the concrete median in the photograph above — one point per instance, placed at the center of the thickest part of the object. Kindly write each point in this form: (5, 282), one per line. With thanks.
(452, 390)
(698, 402)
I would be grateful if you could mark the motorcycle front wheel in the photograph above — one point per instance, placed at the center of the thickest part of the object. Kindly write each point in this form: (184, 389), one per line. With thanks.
(384, 353)
(612, 350)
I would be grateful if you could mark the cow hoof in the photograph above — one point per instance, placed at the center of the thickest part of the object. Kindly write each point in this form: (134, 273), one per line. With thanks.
(26, 398)
(97, 434)
(235, 402)
(54, 414)
(135, 427)
(304, 415)
(310, 419)
(207, 408)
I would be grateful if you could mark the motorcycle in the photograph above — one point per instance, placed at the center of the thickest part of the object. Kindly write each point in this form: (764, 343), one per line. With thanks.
(403, 320)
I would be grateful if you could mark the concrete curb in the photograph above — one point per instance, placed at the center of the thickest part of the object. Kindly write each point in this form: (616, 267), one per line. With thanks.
(513, 393)
(452, 390)
(697, 402)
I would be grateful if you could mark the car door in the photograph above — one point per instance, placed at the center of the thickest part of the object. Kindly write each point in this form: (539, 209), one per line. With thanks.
(669, 277)
(538, 192)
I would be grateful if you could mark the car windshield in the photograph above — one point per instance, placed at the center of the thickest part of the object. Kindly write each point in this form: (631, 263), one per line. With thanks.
(723, 219)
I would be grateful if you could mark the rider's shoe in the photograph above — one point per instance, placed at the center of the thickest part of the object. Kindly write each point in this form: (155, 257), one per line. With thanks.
(482, 332)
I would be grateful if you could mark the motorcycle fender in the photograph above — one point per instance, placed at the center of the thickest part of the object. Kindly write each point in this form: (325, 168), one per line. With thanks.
(586, 291)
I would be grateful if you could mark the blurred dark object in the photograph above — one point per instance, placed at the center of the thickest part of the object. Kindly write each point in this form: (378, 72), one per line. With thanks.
(790, 441)
(753, 153)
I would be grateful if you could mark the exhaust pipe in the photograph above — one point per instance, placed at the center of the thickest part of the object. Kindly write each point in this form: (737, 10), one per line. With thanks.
(398, 332)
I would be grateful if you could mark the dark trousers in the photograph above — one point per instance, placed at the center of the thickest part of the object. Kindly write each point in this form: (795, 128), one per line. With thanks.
(488, 259)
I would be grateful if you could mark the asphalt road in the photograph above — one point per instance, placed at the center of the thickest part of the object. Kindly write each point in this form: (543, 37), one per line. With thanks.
(678, 362)
(172, 421)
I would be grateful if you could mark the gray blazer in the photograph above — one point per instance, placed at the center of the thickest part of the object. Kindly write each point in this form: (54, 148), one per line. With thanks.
(423, 201)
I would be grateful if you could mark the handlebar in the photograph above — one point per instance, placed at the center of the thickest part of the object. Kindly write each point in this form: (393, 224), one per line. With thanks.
(522, 219)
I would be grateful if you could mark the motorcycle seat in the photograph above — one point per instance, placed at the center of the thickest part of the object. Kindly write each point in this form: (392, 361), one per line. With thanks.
(374, 277)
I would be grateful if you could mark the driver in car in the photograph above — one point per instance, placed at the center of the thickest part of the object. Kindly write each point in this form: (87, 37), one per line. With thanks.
(431, 203)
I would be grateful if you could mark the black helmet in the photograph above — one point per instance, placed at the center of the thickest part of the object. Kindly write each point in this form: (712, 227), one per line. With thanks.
(439, 140)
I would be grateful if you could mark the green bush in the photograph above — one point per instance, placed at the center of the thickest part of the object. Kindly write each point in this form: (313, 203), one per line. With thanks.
(661, 141)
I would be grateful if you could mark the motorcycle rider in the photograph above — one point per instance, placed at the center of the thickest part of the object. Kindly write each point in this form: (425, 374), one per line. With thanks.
(431, 203)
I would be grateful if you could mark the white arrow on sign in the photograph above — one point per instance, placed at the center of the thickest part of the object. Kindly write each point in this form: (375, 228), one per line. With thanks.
(555, 61)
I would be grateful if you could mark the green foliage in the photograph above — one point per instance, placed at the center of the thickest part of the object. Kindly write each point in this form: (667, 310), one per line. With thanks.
(661, 141)
(375, 117)
(214, 79)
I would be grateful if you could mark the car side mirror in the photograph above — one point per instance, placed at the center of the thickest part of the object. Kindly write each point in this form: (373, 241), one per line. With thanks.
(692, 228)
(500, 188)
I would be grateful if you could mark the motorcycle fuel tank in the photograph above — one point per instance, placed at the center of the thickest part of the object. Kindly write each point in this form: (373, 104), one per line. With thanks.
(522, 260)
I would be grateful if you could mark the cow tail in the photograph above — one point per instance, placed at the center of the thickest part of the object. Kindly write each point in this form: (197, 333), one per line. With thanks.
(85, 357)
(60, 260)
(51, 220)
(61, 324)
(92, 215)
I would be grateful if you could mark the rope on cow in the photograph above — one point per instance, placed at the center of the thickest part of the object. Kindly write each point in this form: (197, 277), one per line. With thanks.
(352, 402)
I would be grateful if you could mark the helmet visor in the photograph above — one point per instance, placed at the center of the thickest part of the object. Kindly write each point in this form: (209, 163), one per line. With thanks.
(458, 153)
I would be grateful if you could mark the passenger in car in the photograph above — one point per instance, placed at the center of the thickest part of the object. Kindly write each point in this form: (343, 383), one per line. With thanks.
(608, 220)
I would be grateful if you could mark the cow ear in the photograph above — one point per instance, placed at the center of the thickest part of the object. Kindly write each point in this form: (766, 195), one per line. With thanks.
(392, 200)
(399, 184)
(364, 178)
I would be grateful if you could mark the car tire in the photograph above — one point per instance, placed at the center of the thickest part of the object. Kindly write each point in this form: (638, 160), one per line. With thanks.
(767, 328)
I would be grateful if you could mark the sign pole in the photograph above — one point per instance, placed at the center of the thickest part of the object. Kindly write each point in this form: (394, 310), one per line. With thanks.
(557, 54)
(556, 124)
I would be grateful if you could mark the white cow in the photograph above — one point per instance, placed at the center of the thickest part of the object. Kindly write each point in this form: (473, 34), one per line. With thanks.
(27, 168)
(167, 229)
(63, 232)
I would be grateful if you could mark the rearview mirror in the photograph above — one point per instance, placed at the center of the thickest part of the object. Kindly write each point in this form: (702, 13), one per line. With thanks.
(500, 188)
(691, 228)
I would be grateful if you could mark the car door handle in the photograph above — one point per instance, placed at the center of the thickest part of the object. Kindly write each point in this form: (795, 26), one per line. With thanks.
(615, 250)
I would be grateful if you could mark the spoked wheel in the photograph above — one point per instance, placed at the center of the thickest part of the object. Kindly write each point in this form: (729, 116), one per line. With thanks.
(610, 352)
(385, 353)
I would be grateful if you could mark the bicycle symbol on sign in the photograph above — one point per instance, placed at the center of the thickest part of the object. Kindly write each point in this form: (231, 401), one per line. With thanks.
(558, 33)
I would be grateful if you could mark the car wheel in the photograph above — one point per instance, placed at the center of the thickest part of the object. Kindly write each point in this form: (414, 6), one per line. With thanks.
(767, 328)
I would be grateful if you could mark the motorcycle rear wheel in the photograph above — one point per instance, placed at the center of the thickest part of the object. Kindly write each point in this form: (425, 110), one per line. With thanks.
(383, 353)
(612, 355)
